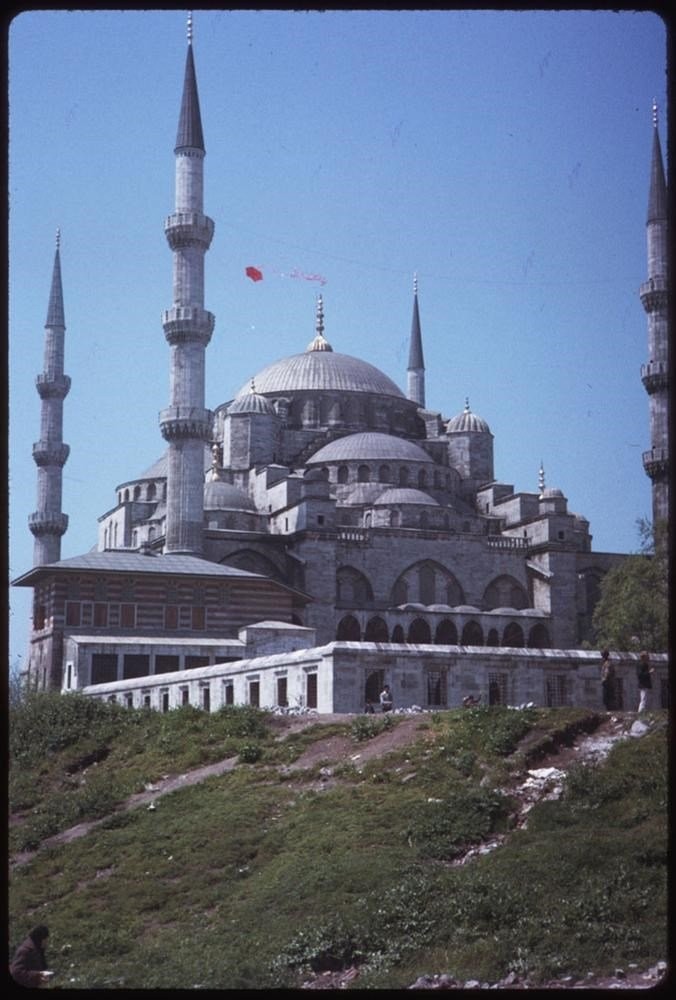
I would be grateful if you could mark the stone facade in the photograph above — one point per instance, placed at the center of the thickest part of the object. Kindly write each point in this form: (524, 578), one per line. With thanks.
(328, 498)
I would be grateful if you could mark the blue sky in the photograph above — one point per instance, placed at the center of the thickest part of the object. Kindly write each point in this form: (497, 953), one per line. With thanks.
(503, 156)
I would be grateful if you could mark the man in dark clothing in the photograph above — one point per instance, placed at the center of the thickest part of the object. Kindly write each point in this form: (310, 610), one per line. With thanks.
(29, 965)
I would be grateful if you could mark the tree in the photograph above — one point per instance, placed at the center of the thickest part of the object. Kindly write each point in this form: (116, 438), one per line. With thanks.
(17, 685)
(633, 612)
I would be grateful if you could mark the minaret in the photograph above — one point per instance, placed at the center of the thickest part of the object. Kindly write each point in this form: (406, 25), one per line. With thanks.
(416, 364)
(654, 296)
(48, 523)
(186, 424)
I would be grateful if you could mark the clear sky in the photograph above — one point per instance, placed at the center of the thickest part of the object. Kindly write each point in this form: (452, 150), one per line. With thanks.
(503, 156)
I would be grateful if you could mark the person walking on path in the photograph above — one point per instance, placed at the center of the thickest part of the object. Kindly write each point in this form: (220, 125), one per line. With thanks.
(607, 681)
(29, 965)
(645, 684)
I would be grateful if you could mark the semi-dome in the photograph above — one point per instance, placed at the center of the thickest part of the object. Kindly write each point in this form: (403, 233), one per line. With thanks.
(370, 446)
(467, 421)
(321, 370)
(403, 495)
(219, 495)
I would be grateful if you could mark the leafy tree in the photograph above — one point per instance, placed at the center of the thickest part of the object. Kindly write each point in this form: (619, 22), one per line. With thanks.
(633, 612)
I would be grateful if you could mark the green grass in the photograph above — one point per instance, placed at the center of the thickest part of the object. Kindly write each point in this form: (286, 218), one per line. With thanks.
(252, 880)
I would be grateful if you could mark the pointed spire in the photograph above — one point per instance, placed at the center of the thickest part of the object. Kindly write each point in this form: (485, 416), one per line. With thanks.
(657, 200)
(55, 311)
(189, 135)
(415, 354)
(319, 343)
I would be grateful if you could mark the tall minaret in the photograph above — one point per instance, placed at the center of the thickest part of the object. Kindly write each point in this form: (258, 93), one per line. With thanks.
(186, 424)
(654, 296)
(416, 364)
(48, 523)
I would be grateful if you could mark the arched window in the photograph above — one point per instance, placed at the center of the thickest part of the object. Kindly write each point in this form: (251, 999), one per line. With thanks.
(137, 493)
(505, 592)
(348, 630)
(538, 637)
(472, 635)
(513, 635)
(376, 631)
(419, 631)
(493, 639)
(398, 634)
(384, 474)
(403, 476)
(363, 474)
(426, 584)
(446, 633)
(152, 490)
(126, 496)
(352, 587)
(342, 474)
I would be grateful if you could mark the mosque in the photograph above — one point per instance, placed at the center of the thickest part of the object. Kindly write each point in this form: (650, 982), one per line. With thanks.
(321, 532)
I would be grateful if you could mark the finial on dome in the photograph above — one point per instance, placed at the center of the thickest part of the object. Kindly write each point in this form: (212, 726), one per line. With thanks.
(415, 283)
(541, 478)
(319, 343)
(253, 387)
(655, 112)
(58, 238)
(190, 28)
(319, 325)
(467, 409)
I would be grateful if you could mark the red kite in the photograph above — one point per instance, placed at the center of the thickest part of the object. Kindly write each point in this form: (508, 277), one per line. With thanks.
(254, 274)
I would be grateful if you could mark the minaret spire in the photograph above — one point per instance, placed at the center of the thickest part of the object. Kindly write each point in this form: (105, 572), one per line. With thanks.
(655, 298)
(416, 363)
(188, 326)
(49, 523)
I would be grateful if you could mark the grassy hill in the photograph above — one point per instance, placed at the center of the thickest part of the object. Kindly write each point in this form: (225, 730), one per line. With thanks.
(268, 872)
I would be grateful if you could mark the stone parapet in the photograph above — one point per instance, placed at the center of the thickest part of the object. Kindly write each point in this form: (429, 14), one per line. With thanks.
(188, 229)
(47, 523)
(50, 453)
(185, 422)
(52, 386)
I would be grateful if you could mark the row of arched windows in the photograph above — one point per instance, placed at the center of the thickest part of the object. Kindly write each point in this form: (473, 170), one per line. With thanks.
(429, 583)
(146, 492)
(445, 633)
(402, 476)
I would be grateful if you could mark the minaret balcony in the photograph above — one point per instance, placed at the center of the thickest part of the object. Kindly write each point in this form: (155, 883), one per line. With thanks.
(50, 453)
(656, 462)
(48, 523)
(655, 376)
(180, 422)
(52, 386)
(187, 324)
(654, 294)
(188, 229)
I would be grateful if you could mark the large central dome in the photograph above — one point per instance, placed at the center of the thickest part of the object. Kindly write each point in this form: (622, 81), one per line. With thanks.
(321, 369)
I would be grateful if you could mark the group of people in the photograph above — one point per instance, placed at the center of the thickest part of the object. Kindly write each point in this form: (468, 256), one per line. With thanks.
(644, 674)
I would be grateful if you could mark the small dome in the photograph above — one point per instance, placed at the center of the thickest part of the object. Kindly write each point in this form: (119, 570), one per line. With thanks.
(219, 495)
(370, 446)
(467, 421)
(403, 495)
(252, 402)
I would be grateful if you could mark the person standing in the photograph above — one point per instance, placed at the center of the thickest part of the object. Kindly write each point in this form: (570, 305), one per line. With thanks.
(29, 966)
(386, 699)
(607, 681)
(645, 684)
